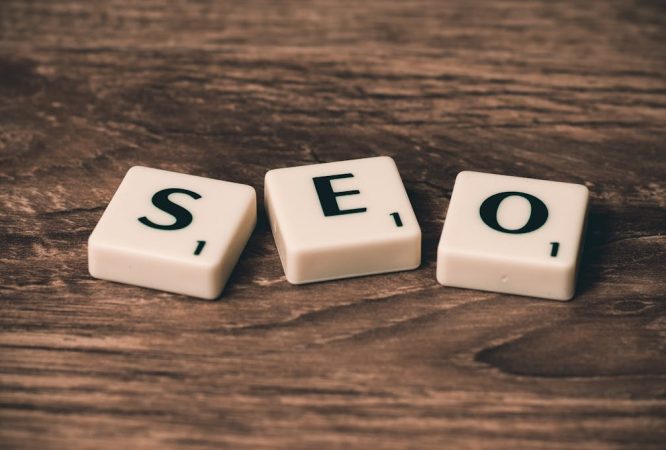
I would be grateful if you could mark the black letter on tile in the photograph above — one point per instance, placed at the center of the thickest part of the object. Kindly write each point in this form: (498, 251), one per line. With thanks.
(161, 200)
(327, 196)
(538, 215)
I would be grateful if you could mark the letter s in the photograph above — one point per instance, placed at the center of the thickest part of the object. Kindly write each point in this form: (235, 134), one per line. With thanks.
(161, 200)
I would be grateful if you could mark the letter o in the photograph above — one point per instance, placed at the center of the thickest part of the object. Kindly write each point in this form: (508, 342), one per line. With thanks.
(490, 206)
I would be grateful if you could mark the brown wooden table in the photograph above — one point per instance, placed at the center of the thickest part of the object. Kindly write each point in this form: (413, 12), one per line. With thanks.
(567, 91)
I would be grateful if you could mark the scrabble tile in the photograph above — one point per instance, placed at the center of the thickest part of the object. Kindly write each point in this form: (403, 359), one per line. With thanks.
(514, 235)
(174, 232)
(342, 219)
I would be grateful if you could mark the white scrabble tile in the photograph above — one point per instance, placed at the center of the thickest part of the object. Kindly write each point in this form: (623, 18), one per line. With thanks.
(342, 219)
(514, 235)
(174, 232)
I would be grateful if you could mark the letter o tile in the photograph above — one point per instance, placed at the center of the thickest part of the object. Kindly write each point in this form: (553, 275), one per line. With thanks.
(513, 235)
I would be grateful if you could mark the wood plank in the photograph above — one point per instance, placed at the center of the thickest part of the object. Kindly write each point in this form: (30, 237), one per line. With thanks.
(556, 90)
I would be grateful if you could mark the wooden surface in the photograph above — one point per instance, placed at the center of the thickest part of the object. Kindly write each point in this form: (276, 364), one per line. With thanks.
(569, 91)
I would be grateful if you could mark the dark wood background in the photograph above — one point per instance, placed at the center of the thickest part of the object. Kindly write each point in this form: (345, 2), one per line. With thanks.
(569, 91)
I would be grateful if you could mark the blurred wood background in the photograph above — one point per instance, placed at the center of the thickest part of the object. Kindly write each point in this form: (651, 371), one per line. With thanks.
(569, 91)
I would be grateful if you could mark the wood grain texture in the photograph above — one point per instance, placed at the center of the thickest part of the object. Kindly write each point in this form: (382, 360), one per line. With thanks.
(569, 91)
